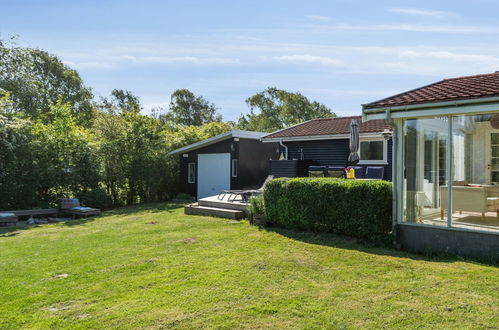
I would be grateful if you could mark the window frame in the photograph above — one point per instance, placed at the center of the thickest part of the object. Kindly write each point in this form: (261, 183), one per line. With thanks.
(234, 168)
(383, 161)
(191, 172)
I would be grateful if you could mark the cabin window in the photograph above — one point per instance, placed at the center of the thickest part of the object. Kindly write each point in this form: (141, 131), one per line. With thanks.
(235, 168)
(373, 151)
(191, 172)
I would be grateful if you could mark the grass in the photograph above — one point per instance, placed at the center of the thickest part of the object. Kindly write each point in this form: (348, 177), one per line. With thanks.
(152, 266)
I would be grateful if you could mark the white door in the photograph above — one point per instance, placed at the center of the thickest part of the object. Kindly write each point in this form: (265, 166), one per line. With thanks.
(213, 174)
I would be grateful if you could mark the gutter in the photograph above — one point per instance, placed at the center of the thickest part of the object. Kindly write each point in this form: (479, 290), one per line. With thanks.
(430, 105)
(319, 137)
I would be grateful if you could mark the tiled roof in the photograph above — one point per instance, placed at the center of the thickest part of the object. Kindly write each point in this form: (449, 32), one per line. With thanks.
(470, 87)
(329, 126)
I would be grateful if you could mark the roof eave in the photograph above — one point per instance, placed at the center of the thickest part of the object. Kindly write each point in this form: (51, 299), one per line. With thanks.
(227, 135)
(374, 113)
(318, 137)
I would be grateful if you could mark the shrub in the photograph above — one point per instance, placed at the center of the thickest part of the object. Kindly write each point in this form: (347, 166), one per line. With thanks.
(183, 196)
(354, 208)
(96, 198)
(256, 205)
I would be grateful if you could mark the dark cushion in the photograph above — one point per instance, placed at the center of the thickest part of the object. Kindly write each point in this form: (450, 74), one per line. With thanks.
(375, 172)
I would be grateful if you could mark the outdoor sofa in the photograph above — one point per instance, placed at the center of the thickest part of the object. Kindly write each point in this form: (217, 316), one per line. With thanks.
(471, 198)
(8, 217)
(72, 206)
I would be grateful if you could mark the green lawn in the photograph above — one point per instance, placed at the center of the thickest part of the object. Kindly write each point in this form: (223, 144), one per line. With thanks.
(153, 266)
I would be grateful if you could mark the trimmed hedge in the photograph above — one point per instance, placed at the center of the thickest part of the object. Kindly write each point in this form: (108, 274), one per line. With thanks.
(354, 208)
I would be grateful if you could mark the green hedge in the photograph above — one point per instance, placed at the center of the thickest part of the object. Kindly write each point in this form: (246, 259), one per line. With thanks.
(354, 208)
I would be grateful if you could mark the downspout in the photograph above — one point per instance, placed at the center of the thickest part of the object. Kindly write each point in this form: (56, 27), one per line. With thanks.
(285, 149)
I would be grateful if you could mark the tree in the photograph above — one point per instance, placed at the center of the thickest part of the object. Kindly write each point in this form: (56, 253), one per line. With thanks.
(126, 101)
(274, 109)
(188, 109)
(16, 159)
(37, 79)
(65, 160)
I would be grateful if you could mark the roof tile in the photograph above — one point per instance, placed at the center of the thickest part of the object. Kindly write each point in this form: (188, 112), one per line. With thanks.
(329, 126)
(484, 85)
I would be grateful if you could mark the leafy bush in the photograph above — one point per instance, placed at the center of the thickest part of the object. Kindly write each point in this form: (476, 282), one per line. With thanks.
(96, 198)
(257, 205)
(183, 196)
(354, 208)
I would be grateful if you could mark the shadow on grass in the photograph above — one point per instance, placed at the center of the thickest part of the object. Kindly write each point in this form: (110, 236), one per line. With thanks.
(144, 208)
(13, 231)
(133, 209)
(127, 210)
(77, 221)
(348, 243)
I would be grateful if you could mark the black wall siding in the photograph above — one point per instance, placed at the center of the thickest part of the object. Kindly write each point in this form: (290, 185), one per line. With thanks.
(331, 153)
(324, 152)
(388, 168)
(220, 147)
(253, 159)
(290, 168)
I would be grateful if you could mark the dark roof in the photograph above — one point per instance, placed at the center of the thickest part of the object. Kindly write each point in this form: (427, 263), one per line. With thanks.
(470, 87)
(329, 126)
(215, 139)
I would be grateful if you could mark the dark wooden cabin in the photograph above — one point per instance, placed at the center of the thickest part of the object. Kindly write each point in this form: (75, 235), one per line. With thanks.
(233, 160)
(325, 141)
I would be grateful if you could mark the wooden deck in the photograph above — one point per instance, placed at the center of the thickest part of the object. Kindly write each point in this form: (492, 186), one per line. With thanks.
(222, 208)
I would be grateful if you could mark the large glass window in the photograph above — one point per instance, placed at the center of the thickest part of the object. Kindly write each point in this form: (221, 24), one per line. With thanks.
(472, 169)
(372, 151)
(425, 152)
(475, 172)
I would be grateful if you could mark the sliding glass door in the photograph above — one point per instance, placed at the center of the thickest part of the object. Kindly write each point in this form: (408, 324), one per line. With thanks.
(425, 151)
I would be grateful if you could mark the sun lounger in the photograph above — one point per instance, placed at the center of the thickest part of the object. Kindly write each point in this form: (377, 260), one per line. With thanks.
(244, 194)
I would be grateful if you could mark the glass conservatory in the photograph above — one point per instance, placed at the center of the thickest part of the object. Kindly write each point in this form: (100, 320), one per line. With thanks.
(456, 159)
(446, 164)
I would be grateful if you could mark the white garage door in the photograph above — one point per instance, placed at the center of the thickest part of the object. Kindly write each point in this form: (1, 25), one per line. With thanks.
(213, 174)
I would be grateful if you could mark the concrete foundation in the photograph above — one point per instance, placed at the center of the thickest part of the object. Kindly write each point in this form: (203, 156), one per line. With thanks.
(417, 238)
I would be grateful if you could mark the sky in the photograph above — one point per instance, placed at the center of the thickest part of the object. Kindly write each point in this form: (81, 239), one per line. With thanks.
(340, 53)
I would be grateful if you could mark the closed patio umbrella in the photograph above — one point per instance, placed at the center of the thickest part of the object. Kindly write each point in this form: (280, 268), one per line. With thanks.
(353, 158)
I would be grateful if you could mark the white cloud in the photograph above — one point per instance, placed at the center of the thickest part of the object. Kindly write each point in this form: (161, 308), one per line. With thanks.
(179, 59)
(319, 18)
(463, 57)
(308, 59)
(452, 29)
(423, 12)
(88, 65)
(111, 61)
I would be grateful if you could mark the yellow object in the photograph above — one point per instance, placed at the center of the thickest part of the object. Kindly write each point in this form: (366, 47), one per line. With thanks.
(350, 173)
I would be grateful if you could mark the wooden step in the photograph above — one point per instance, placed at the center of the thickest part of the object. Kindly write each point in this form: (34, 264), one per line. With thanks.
(195, 209)
(223, 204)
